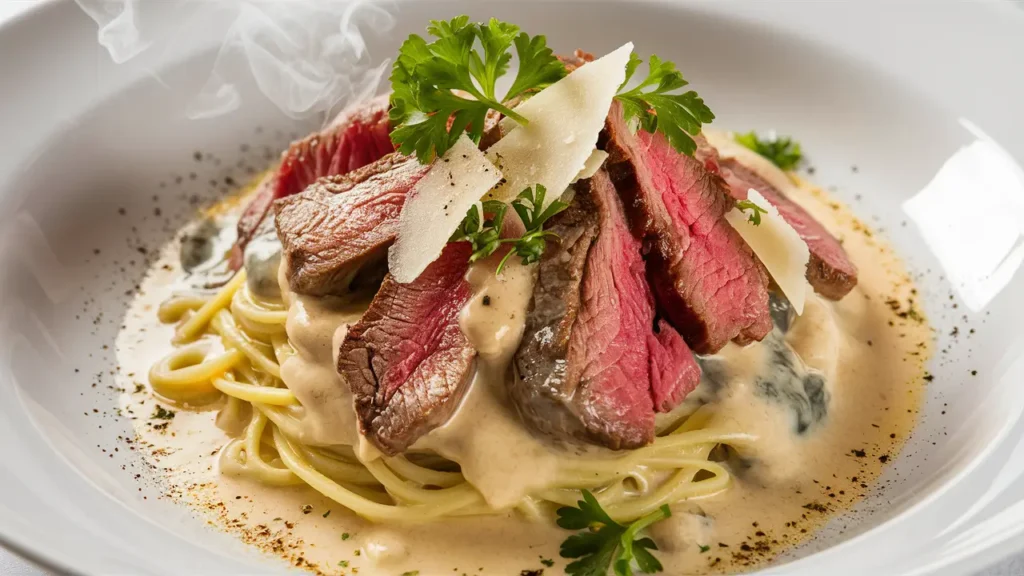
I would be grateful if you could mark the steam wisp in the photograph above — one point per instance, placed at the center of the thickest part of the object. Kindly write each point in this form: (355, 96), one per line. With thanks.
(308, 57)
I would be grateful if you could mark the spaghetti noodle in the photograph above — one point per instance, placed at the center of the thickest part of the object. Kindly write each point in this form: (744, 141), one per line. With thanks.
(233, 344)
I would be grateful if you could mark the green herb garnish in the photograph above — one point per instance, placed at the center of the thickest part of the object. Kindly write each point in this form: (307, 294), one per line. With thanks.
(345, 536)
(656, 106)
(484, 233)
(754, 217)
(703, 548)
(606, 543)
(426, 76)
(781, 151)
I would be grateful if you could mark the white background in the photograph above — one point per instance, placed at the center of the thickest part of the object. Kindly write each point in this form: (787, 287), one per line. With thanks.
(11, 565)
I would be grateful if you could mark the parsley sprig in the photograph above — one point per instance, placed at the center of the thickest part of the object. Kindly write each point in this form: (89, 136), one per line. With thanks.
(427, 112)
(754, 217)
(483, 232)
(606, 543)
(781, 151)
(657, 106)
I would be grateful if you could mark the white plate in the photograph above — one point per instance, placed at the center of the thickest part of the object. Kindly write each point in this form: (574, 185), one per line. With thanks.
(894, 89)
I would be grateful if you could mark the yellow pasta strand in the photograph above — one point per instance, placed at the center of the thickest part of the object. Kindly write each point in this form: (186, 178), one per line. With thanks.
(225, 325)
(187, 373)
(252, 393)
(195, 325)
(269, 448)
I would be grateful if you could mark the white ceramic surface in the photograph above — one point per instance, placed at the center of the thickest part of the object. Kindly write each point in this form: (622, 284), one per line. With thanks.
(899, 91)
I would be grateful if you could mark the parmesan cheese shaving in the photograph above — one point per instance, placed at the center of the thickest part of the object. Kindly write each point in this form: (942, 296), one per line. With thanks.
(565, 121)
(436, 206)
(778, 246)
(593, 164)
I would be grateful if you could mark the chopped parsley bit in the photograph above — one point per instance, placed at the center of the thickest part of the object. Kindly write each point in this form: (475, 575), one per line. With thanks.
(139, 387)
(676, 116)
(343, 563)
(703, 548)
(306, 509)
(426, 76)
(605, 543)
(411, 573)
(547, 562)
(358, 552)
(754, 217)
(484, 234)
(781, 151)
(326, 514)
(345, 536)
(162, 413)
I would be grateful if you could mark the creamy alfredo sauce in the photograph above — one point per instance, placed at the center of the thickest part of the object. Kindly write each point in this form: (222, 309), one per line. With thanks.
(829, 402)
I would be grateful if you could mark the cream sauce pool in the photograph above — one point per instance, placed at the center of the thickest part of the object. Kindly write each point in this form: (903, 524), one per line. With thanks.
(830, 401)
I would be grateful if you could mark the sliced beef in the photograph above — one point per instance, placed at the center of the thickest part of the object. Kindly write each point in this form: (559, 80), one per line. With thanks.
(343, 224)
(830, 270)
(253, 221)
(357, 137)
(707, 281)
(407, 361)
(592, 366)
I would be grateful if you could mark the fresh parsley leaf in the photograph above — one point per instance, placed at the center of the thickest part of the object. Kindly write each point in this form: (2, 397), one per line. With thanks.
(781, 151)
(482, 232)
(623, 566)
(647, 562)
(703, 548)
(533, 211)
(482, 227)
(655, 105)
(606, 543)
(754, 217)
(538, 66)
(443, 88)
(496, 37)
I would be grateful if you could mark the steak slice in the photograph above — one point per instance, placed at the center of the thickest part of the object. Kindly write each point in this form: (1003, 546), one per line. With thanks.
(254, 215)
(357, 137)
(341, 224)
(830, 270)
(591, 367)
(707, 281)
(407, 361)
